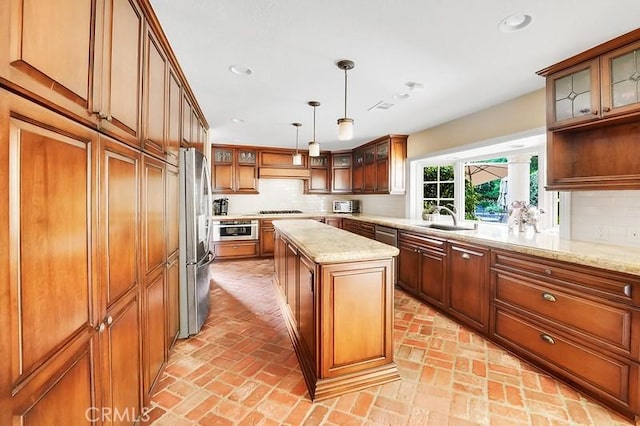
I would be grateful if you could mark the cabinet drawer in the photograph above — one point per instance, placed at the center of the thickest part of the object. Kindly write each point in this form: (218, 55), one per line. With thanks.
(422, 240)
(592, 370)
(609, 324)
(595, 280)
(236, 249)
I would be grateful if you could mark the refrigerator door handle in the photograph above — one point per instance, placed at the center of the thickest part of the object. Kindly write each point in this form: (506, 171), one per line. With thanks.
(209, 198)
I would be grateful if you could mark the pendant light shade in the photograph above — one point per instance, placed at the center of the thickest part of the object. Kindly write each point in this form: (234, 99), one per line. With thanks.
(345, 124)
(314, 147)
(296, 159)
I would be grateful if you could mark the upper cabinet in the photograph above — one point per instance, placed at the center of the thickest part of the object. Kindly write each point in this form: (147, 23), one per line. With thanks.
(103, 63)
(117, 98)
(341, 172)
(379, 166)
(48, 51)
(234, 169)
(319, 174)
(593, 117)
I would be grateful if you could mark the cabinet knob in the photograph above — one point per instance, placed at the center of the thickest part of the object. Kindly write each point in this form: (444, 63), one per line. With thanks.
(606, 109)
(548, 339)
(594, 112)
(466, 256)
(101, 327)
(548, 297)
(547, 271)
(109, 320)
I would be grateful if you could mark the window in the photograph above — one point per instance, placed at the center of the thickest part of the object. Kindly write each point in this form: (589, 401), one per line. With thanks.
(438, 186)
(445, 180)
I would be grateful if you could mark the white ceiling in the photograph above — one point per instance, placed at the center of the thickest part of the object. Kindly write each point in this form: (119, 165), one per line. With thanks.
(452, 47)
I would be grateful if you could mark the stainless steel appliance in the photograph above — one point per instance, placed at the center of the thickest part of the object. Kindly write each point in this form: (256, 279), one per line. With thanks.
(346, 206)
(220, 206)
(226, 230)
(195, 232)
(389, 236)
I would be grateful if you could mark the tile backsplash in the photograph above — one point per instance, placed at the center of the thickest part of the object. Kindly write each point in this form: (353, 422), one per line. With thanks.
(288, 194)
(610, 217)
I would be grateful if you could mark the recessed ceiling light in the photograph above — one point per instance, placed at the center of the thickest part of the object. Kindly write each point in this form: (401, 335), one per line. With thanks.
(401, 96)
(237, 120)
(514, 23)
(240, 70)
(412, 85)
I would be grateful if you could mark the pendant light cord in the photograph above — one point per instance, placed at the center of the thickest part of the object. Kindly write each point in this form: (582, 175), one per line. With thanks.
(297, 128)
(314, 123)
(345, 93)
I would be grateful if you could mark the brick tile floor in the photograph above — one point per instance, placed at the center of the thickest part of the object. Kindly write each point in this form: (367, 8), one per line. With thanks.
(241, 369)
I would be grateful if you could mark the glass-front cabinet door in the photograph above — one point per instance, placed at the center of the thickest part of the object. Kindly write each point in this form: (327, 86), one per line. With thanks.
(621, 80)
(573, 95)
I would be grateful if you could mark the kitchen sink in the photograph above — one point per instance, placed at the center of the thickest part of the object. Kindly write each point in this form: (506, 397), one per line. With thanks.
(445, 227)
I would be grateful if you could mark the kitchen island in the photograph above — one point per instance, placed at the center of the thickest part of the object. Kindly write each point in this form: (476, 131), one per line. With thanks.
(336, 293)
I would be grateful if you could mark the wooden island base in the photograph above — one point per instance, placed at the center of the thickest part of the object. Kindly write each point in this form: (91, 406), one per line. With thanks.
(339, 312)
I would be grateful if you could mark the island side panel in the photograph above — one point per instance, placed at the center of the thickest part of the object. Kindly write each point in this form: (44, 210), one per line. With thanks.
(356, 312)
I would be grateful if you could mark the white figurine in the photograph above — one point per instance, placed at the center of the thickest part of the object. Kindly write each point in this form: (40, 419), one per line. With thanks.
(522, 214)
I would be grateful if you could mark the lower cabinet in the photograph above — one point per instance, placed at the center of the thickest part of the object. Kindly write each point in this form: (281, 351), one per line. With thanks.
(422, 266)
(267, 238)
(236, 249)
(358, 227)
(336, 222)
(344, 342)
(580, 323)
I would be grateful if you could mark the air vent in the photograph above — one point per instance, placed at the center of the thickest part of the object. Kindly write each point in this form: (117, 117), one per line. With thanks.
(381, 105)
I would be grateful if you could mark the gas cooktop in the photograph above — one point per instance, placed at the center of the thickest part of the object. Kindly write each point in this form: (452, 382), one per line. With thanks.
(279, 211)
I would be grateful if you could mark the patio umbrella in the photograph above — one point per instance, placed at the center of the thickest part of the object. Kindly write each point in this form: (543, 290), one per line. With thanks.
(479, 173)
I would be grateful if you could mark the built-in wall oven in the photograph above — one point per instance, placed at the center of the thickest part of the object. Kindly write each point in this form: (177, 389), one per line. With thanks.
(229, 230)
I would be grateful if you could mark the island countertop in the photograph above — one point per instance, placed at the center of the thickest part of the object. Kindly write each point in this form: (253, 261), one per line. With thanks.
(326, 244)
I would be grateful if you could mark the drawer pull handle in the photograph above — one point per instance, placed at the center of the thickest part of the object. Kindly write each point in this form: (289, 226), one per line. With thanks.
(548, 297)
(627, 290)
(547, 271)
(466, 256)
(548, 339)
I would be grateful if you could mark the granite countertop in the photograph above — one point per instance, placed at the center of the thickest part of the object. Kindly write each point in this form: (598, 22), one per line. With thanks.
(326, 244)
(544, 244)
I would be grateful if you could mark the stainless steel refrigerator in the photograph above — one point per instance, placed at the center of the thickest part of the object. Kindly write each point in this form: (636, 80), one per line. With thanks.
(195, 229)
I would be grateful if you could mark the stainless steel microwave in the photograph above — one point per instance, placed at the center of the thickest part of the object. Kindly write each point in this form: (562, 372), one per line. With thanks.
(346, 206)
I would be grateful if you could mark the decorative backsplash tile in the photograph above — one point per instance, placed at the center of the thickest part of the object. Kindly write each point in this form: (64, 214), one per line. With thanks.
(288, 194)
(610, 217)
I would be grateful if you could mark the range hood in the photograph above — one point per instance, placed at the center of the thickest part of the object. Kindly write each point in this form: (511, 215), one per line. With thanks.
(283, 173)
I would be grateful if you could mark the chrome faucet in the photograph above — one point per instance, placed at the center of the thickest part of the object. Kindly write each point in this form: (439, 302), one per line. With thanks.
(448, 210)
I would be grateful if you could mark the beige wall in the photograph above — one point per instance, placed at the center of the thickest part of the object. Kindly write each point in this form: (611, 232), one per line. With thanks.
(517, 115)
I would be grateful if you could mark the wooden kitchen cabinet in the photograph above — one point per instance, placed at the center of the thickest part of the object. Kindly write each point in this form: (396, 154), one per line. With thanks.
(358, 227)
(53, 315)
(267, 238)
(358, 171)
(422, 266)
(336, 222)
(172, 234)
(379, 166)
(153, 239)
(234, 170)
(154, 96)
(341, 345)
(174, 124)
(579, 322)
(118, 98)
(468, 284)
(119, 276)
(341, 172)
(96, 333)
(60, 68)
(236, 249)
(593, 110)
(319, 181)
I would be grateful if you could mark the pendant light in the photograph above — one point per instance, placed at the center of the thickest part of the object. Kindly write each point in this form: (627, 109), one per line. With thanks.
(345, 124)
(314, 147)
(297, 157)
